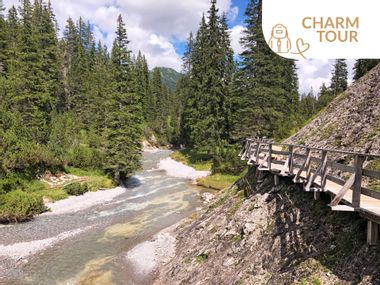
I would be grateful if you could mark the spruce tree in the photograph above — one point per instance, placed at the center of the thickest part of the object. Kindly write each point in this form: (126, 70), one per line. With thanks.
(339, 77)
(362, 66)
(124, 118)
(206, 119)
(266, 89)
(3, 39)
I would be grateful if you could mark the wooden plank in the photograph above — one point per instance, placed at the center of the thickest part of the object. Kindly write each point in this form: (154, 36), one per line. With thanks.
(371, 173)
(280, 152)
(359, 160)
(291, 162)
(370, 193)
(350, 182)
(285, 167)
(372, 232)
(258, 152)
(318, 171)
(270, 157)
(342, 208)
(307, 160)
(340, 166)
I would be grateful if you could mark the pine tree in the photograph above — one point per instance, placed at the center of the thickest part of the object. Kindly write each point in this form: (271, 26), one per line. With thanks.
(29, 94)
(124, 118)
(205, 118)
(362, 66)
(339, 77)
(266, 89)
(3, 39)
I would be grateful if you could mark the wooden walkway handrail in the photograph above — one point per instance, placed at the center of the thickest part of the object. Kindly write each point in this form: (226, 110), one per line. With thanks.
(315, 172)
(351, 153)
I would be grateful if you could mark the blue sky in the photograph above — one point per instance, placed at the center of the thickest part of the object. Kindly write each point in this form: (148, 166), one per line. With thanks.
(159, 29)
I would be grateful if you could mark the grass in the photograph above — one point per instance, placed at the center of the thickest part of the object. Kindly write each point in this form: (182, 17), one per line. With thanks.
(218, 181)
(95, 179)
(52, 195)
(201, 258)
(198, 160)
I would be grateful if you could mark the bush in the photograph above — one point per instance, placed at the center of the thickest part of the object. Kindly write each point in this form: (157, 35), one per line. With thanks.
(76, 189)
(227, 161)
(100, 182)
(18, 206)
(85, 157)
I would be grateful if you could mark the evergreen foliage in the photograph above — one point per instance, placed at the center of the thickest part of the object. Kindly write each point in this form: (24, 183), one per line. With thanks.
(362, 66)
(339, 78)
(66, 102)
(266, 88)
(209, 66)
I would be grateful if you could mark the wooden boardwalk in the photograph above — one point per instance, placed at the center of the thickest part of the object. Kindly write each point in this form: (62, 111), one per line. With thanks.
(341, 174)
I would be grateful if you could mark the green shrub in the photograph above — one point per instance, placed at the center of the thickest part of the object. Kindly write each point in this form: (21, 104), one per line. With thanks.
(85, 157)
(11, 182)
(18, 206)
(100, 182)
(227, 161)
(52, 195)
(76, 189)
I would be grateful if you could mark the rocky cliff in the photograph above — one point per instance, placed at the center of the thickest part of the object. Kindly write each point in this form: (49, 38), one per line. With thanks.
(350, 122)
(278, 235)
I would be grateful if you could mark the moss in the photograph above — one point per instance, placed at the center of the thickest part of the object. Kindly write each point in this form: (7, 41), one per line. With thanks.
(202, 257)
(326, 132)
(236, 238)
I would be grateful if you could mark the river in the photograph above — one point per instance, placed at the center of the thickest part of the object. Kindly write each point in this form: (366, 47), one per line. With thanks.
(91, 244)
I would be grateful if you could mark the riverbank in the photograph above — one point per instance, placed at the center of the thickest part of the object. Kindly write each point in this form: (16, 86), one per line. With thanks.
(72, 245)
(200, 162)
(34, 197)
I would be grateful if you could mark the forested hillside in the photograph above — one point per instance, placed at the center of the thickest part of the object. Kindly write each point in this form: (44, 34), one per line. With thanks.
(69, 102)
(170, 77)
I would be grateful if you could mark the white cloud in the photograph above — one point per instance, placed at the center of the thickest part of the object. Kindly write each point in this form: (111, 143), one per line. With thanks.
(314, 72)
(152, 25)
(236, 34)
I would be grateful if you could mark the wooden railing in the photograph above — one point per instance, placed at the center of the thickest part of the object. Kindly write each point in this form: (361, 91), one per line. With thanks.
(307, 164)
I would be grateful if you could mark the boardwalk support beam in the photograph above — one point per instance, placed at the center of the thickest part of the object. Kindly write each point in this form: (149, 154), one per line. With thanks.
(372, 232)
(276, 180)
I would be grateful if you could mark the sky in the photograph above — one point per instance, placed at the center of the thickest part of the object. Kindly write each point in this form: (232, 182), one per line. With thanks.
(160, 29)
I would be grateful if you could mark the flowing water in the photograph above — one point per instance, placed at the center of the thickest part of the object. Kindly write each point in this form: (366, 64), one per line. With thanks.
(92, 242)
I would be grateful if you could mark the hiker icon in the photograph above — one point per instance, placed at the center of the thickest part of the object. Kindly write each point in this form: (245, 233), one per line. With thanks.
(279, 41)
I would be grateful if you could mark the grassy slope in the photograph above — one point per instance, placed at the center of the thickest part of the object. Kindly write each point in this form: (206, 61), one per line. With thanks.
(199, 161)
(170, 77)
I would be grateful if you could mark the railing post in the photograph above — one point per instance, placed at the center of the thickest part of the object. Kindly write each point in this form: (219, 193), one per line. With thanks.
(258, 153)
(270, 157)
(291, 150)
(359, 160)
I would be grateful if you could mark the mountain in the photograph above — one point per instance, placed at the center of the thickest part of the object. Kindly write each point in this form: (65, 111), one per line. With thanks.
(170, 77)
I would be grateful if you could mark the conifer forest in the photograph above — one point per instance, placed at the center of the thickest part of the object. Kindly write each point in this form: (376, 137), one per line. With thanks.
(68, 102)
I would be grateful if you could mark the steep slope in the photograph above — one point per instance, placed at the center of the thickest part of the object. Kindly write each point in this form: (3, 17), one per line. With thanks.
(258, 233)
(350, 122)
(278, 235)
(170, 77)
